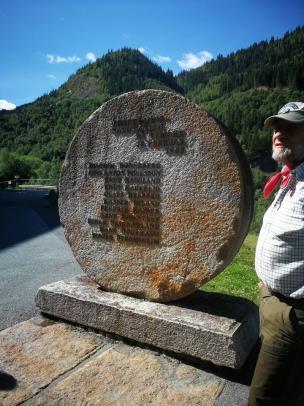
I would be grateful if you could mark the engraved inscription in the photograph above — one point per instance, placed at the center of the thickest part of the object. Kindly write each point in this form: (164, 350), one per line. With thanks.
(152, 133)
(131, 207)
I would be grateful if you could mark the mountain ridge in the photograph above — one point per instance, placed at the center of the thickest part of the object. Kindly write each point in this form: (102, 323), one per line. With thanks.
(240, 89)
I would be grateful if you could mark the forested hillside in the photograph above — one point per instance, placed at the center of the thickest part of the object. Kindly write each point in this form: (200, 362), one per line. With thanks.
(241, 89)
(245, 87)
(275, 64)
(44, 128)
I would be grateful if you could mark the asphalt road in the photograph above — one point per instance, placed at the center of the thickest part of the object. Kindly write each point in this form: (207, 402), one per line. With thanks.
(33, 252)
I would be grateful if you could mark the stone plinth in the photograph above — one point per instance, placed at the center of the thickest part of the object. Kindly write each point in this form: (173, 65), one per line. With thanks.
(213, 327)
(155, 196)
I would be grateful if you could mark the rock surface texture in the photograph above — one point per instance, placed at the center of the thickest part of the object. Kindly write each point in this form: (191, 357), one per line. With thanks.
(37, 351)
(155, 196)
(50, 363)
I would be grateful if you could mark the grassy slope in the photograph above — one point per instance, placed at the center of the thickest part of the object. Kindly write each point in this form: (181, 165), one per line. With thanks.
(239, 278)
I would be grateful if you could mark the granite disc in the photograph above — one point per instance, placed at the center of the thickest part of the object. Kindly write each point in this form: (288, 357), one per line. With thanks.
(155, 196)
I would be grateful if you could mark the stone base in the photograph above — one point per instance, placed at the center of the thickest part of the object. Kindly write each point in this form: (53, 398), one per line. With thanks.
(213, 327)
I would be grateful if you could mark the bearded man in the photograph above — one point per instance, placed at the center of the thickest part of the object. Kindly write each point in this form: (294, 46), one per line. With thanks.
(278, 377)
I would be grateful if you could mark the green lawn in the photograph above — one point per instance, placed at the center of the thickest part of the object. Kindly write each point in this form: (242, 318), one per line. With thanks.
(239, 278)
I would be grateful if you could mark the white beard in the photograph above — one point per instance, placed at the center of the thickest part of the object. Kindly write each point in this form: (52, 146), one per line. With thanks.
(289, 155)
(282, 156)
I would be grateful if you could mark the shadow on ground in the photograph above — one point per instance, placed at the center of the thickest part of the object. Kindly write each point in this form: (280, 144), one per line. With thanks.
(25, 215)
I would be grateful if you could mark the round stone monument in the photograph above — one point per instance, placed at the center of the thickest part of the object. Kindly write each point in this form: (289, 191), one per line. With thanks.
(155, 196)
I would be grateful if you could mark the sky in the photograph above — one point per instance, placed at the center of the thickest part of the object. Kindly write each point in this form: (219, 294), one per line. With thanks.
(45, 41)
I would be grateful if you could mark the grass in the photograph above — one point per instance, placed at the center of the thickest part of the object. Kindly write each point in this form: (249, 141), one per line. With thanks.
(239, 278)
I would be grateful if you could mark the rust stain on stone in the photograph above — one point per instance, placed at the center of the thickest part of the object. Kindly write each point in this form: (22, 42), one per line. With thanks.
(159, 275)
(170, 279)
(231, 177)
(167, 287)
(84, 262)
(190, 246)
(182, 214)
(72, 232)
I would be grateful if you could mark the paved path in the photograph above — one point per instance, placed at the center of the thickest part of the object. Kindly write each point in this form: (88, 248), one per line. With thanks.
(33, 252)
(57, 363)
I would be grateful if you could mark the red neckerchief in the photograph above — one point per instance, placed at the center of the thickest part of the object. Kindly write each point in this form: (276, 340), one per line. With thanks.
(272, 182)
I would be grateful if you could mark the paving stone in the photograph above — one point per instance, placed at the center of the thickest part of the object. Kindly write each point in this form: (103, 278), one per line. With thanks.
(125, 375)
(233, 394)
(155, 196)
(213, 327)
(37, 351)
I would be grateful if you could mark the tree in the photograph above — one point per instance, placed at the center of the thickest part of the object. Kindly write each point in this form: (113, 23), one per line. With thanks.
(12, 166)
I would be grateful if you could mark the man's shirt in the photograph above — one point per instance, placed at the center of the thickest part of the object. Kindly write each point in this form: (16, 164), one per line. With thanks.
(279, 259)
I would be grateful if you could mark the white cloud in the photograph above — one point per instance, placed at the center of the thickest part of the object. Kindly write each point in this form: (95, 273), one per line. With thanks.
(142, 50)
(62, 59)
(5, 105)
(51, 76)
(162, 59)
(191, 60)
(91, 57)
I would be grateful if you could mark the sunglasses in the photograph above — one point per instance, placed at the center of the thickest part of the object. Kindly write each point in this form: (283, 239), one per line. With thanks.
(292, 106)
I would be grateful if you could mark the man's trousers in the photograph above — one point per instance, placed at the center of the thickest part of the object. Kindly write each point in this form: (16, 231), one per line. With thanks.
(279, 375)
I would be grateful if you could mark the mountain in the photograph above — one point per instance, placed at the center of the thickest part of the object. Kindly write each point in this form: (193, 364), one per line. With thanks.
(275, 64)
(241, 89)
(245, 87)
(45, 127)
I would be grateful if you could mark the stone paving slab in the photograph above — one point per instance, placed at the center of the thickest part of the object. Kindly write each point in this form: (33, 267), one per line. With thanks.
(36, 352)
(55, 363)
(126, 375)
(212, 327)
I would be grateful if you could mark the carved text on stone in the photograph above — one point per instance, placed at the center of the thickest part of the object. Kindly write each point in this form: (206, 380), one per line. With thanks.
(131, 206)
(152, 133)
